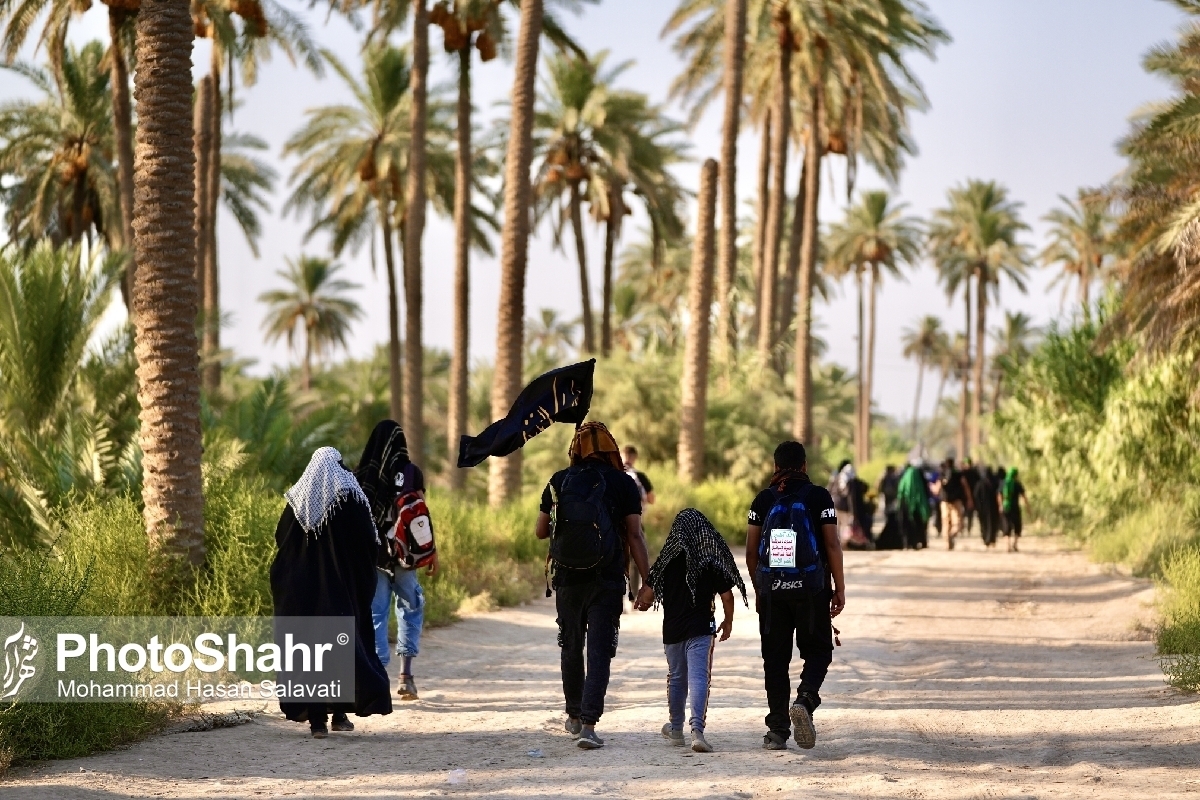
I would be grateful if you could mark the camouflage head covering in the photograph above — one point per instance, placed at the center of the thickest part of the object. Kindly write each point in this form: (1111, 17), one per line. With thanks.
(593, 440)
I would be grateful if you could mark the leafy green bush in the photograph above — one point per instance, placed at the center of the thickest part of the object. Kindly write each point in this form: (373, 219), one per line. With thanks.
(1107, 444)
(34, 583)
(1179, 636)
(482, 551)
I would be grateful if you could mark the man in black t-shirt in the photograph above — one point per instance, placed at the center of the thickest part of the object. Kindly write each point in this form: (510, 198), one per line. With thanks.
(787, 615)
(956, 501)
(589, 603)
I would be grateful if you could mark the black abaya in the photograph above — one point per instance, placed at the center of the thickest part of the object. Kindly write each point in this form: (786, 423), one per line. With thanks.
(331, 573)
(987, 509)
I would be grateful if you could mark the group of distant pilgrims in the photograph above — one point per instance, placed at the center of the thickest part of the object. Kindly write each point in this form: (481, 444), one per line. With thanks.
(945, 497)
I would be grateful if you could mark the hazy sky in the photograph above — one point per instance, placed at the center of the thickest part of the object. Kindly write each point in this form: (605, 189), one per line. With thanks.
(1032, 93)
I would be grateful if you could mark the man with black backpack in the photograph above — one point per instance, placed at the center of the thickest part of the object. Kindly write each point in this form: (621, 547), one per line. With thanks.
(794, 557)
(591, 512)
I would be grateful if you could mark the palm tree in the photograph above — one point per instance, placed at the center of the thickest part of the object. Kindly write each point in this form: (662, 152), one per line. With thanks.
(924, 344)
(504, 478)
(975, 237)
(1159, 229)
(351, 170)
(694, 404)
(1081, 242)
(768, 283)
(56, 436)
(858, 93)
(639, 162)
(550, 336)
(246, 181)
(165, 300)
(243, 34)
(56, 16)
(316, 301)
(595, 142)
(1015, 341)
(874, 238)
(57, 154)
(467, 25)
(414, 230)
(734, 58)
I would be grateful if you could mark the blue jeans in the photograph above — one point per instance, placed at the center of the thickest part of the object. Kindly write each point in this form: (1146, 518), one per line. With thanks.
(410, 613)
(689, 672)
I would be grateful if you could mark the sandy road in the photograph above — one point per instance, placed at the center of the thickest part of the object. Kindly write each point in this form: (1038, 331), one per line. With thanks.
(963, 675)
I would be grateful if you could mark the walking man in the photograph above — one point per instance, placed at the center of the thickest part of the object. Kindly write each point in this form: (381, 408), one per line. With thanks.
(956, 501)
(795, 560)
(646, 490)
(592, 496)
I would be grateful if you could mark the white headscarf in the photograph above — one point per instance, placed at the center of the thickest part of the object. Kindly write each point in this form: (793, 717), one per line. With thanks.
(321, 490)
(845, 477)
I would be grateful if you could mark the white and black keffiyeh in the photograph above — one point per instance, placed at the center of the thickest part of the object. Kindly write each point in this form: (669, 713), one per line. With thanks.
(703, 547)
(322, 489)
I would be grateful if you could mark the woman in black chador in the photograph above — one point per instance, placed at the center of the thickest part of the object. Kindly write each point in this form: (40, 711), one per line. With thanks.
(325, 567)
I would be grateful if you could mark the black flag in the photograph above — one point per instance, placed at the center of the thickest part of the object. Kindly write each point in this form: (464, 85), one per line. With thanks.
(560, 395)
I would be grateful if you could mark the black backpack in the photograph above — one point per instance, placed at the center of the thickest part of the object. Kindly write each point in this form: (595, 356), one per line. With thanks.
(582, 536)
(789, 553)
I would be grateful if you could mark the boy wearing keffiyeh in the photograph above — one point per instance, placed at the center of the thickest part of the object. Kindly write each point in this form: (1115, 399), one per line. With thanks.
(695, 566)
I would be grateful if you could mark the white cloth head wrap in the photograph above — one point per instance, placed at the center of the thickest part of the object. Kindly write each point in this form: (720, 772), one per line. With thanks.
(322, 489)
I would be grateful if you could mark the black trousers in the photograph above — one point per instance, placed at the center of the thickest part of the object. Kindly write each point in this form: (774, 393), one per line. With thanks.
(794, 617)
(589, 615)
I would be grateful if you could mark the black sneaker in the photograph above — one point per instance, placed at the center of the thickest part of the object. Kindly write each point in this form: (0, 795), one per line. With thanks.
(341, 723)
(589, 741)
(318, 731)
(773, 741)
(803, 730)
(573, 725)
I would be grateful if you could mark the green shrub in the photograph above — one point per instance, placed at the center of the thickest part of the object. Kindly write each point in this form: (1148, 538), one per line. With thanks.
(1179, 636)
(36, 583)
(482, 551)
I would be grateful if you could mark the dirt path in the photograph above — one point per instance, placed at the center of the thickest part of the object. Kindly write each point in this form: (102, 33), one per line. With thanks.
(963, 675)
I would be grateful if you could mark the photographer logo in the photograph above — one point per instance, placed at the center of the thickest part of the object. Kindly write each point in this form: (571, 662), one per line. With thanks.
(20, 649)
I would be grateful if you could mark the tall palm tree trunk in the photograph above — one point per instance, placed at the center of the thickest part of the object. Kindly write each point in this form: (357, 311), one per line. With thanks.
(504, 477)
(585, 289)
(760, 223)
(694, 405)
(211, 292)
(802, 417)
(981, 286)
(869, 382)
(787, 299)
(770, 275)
(860, 450)
(917, 402)
(1085, 287)
(414, 230)
(937, 399)
(964, 377)
(123, 140)
(735, 52)
(165, 294)
(395, 382)
(459, 363)
(202, 131)
(612, 230)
